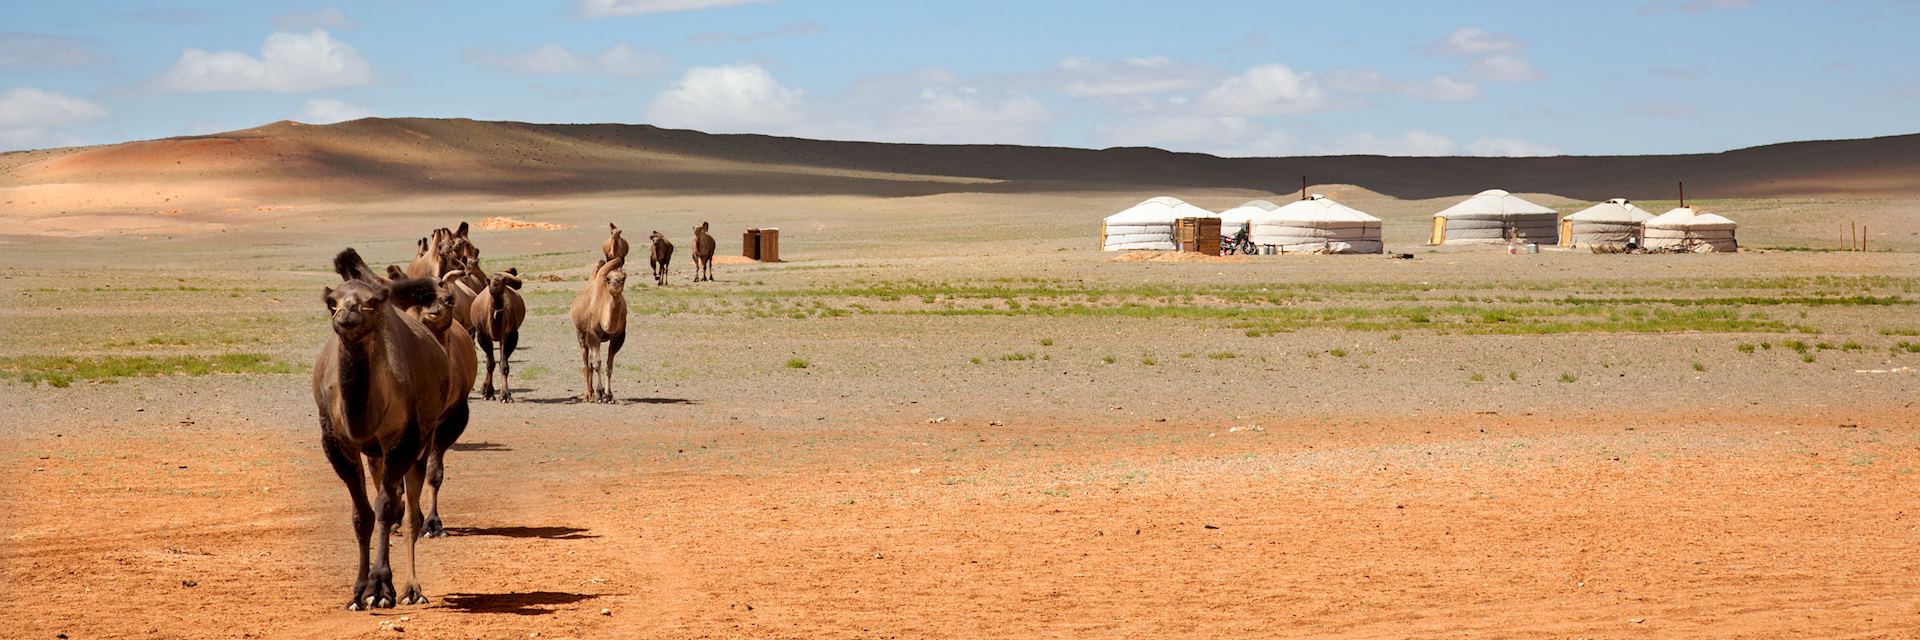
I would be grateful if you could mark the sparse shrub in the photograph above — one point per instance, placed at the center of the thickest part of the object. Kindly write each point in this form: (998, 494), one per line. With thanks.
(1851, 346)
(1699, 367)
(1394, 337)
(1148, 361)
(1107, 359)
(1568, 377)
(797, 363)
(1018, 357)
(1046, 342)
(1823, 346)
(1476, 377)
(1744, 347)
(1222, 355)
(975, 360)
(1337, 353)
(1766, 346)
(1806, 357)
(1899, 331)
(1909, 347)
(1513, 376)
(1795, 345)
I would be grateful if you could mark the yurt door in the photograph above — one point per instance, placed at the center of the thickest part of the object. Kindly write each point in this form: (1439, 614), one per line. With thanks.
(1566, 233)
(1439, 231)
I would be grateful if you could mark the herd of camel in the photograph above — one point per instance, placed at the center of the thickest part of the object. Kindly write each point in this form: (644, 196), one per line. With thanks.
(392, 382)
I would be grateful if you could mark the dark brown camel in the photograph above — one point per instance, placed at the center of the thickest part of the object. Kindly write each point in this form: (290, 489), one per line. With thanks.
(662, 255)
(463, 365)
(380, 385)
(496, 316)
(703, 247)
(600, 317)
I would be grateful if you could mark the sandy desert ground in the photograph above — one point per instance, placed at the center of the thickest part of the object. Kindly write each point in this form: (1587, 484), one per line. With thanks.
(950, 416)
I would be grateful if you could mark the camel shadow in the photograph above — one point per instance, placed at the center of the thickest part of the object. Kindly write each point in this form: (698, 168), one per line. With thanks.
(529, 603)
(543, 533)
(661, 401)
(480, 446)
(559, 400)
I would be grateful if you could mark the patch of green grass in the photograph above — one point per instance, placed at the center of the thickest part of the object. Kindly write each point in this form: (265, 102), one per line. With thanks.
(1806, 357)
(1337, 353)
(1766, 346)
(1046, 342)
(1744, 347)
(1222, 355)
(798, 363)
(1823, 346)
(1148, 361)
(1906, 346)
(1899, 331)
(1476, 377)
(1795, 345)
(61, 371)
(1851, 346)
(1699, 367)
(1568, 377)
(1108, 359)
(975, 360)
(1017, 357)
(1513, 376)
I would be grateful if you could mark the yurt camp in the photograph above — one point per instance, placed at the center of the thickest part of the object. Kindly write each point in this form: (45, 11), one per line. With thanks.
(1317, 225)
(1690, 229)
(1495, 217)
(1148, 225)
(1616, 222)
(1233, 219)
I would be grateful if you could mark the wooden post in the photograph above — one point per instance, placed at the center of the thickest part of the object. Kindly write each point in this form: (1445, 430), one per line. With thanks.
(1683, 194)
(1863, 238)
(1855, 235)
(1303, 187)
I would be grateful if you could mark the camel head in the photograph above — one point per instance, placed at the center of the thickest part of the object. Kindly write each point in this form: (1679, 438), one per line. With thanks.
(356, 308)
(616, 283)
(436, 315)
(700, 230)
(421, 249)
(461, 248)
(656, 237)
(501, 282)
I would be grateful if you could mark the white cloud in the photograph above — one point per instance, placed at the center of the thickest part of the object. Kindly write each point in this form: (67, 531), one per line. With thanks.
(592, 9)
(288, 63)
(1089, 78)
(1441, 89)
(329, 18)
(1510, 147)
(1505, 69)
(29, 107)
(1270, 89)
(1475, 41)
(31, 117)
(620, 59)
(728, 99)
(28, 50)
(1413, 142)
(329, 111)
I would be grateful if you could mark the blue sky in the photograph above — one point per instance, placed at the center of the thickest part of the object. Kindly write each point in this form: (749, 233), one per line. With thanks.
(1232, 78)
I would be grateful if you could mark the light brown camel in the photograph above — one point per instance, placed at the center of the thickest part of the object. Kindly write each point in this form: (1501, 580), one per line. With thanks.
(463, 365)
(615, 248)
(703, 247)
(496, 316)
(662, 254)
(380, 385)
(600, 317)
(431, 259)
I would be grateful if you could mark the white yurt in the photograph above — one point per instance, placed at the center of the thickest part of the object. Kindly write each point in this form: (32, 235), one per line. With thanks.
(1232, 219)
(1148, 225)
(1495, 217)
(1690, 229)
(1317, 225)
(1614, 222)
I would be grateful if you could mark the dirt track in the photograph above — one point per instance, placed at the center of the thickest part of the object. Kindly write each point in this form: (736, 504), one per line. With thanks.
(1348, 526)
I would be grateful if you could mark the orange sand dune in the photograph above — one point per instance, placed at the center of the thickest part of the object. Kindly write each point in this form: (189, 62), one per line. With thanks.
(376, 157)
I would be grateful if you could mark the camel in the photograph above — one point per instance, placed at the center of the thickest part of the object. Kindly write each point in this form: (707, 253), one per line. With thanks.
(431, 259)
(615, 248)
(600, 316)
(380, 385)
(496, 316)
(662, 254)
(463, 365)
(703, 246)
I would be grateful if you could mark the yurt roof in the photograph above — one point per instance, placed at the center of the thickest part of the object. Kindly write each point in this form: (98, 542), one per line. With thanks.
(1246, 211)
(1184, 210)
(1317, 208)
(1492, 204)
(1690, 218)
(1617, 210)
(1160, 210)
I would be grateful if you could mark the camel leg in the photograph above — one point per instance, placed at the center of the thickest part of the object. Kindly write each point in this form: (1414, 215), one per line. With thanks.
(416, 475)
(452, 424)
(387, 472)
(506, 364)
(613, 348)
(599, 371)
(347, 465)
(586, 369)
(486, 344)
